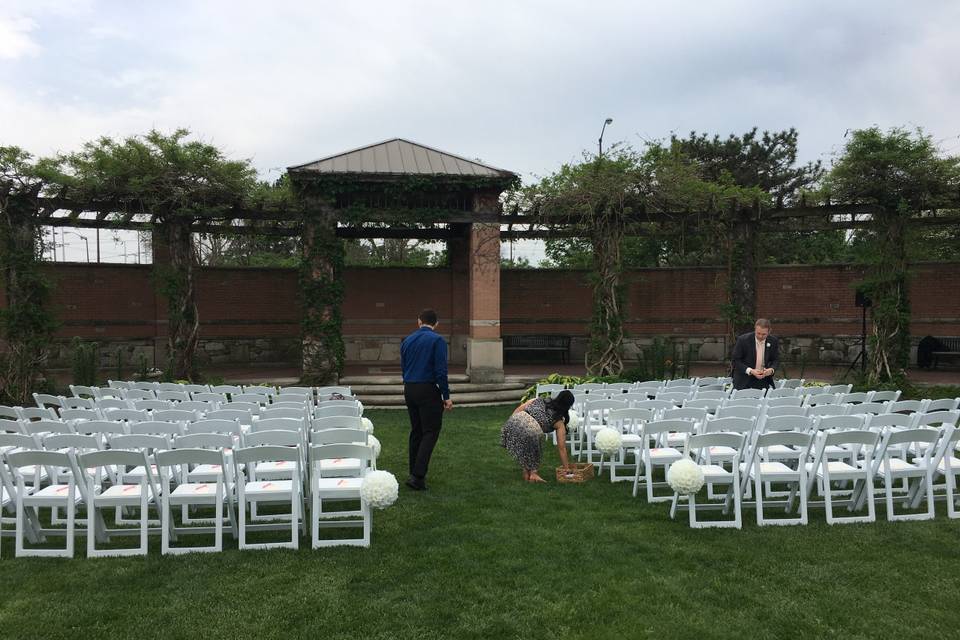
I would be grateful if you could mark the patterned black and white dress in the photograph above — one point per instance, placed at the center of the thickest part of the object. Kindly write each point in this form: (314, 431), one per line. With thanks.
(522, 435)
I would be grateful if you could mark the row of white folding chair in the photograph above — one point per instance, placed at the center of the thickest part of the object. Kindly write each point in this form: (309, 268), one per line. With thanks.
(162, 491)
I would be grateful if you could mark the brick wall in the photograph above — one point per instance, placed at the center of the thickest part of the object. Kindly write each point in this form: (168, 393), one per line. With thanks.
(118, 303)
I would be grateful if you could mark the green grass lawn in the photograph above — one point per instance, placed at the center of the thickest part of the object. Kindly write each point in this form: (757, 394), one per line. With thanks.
(482, 555)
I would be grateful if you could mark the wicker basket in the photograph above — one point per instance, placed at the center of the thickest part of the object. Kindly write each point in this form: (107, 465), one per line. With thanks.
(576, 472)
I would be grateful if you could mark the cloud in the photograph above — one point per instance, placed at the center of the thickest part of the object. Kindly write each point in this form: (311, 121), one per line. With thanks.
(15, 40)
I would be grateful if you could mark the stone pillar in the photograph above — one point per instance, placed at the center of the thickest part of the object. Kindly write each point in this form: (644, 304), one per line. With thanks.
(321, 288)
(484, 346)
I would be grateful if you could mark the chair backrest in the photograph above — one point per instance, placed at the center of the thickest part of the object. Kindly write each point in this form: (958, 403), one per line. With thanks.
(266, 453)
(856, 397)
(885, 396)
(788, 423)
(709, 380)
(305, 391)
(234, 415)
(259, 399)
(146, 442)
(709, 405)
(867, 408)
(36, 459)
(279, 438)
(943, 404)
(938, 419)
(324, 393)
(250, 407)
(822, 398)
(827, 410)
(197, 406)
(47, 426)
(801, 439)
(191, 456)
(635, 396)
(101, 427)
(260, 390)
(336, 422)
(853, 436)
(739, 412)
(841, 423)
(656, 405)
(696, 414)
(214, 425)
(681, 382)
(282, 412)
(291, 400)
(155, 427)
(231, 389)
(78, 403)
(890, 420)
(336, 436)
(47, 400)
(699, 442)
(737, 394)
(152, 405)
(789, 401)
(177, 396)
(279, 424)
(80, 414)
(83, 391)
(176, 415)
(9, 413)
(37, 413)
(918, 436)
(676, 397)
(657, 427)
(119, 384)
(146, 385)
(127, 415)
(196, 388)
(204, 441)
(17, 440)
(139, 394)
(325, 411)
(218, 398)
(78, 441)
(619, 387)
(112, 403)
(791, 383)
(628, 420)
(116, 457)
(907, 406)
(838, 388)
(711, 395)
(730, 424)
(589, 387)
(774, 412)
(11, 426)
(782, 393)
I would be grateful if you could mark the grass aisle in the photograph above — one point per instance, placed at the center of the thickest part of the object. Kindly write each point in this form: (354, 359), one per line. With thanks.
(482, 555)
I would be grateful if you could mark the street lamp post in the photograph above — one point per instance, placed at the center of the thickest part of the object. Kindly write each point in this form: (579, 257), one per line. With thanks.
(600, 141)
(86, 242)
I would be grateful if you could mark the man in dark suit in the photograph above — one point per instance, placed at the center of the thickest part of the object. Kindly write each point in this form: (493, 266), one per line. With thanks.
(756, 356)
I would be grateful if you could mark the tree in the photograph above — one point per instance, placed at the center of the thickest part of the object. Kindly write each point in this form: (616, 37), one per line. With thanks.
(178, 182)
(903, 173)
(27, 323)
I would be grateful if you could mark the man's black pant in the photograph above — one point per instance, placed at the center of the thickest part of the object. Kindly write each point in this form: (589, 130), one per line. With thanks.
(425, 406)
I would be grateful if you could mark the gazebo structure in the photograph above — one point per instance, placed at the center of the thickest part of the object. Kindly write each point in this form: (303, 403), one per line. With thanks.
(399, 188)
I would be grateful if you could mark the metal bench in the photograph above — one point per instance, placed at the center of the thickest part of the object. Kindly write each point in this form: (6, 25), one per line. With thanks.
(948, 348)
(538, 344)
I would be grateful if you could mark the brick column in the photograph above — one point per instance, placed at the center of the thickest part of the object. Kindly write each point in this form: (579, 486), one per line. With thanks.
(484, 346)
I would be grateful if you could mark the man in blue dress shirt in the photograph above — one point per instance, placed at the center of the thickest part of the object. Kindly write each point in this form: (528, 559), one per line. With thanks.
(423, 358)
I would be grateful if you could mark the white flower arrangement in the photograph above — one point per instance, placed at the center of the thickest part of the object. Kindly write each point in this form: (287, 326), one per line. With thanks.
(608, 440)
(379, 489)
(375, 444)
(367, 424)
(685, 476)
(574, 424)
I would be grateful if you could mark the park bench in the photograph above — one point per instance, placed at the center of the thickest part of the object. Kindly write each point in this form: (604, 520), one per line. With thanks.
(538, 344)
(948, 348)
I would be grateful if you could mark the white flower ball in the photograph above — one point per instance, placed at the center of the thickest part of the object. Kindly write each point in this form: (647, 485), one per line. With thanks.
(367, 424)
(608, 440)
(685, 476)
(373, 442)
(574, 424)
(379, 489)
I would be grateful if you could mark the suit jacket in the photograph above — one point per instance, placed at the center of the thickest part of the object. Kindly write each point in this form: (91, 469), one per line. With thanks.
(745, 355)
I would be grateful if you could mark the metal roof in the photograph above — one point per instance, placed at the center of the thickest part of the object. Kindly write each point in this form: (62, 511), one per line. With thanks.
(400, 157)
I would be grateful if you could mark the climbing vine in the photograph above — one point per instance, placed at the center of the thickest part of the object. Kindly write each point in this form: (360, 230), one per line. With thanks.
(322, 293)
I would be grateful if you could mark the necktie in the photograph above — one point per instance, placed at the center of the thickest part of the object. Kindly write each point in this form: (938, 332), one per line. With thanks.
(759, 365)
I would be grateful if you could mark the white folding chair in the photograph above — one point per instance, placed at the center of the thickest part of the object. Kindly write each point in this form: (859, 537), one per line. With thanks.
(57, 494)
(629, 422)
(250, 491)
(656, 433)
(119, 496)
(698, 448)
(765, 468)
(891, 462)
(174, 469)
(825, 471)
(324, 488)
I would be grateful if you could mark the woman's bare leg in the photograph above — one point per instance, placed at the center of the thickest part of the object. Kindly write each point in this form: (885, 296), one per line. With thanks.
(526, 475)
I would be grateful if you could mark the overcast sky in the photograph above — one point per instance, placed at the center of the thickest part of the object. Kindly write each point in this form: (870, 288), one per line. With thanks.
(521, 85)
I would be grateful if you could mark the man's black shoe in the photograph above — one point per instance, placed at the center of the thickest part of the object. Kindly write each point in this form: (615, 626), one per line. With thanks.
(416, 484)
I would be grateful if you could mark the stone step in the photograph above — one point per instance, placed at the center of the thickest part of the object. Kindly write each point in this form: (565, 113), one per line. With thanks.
(461, 399)
(455, 388)
(350, 381)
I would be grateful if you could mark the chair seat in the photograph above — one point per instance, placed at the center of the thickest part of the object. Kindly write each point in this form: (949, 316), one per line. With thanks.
(340, 487)
(195, 489)
(663, 455)
(203, 472)
(53, 493)
(783, 451)
(899, 465)
(275, 468)
(131, 491)
(722, 452)
(267, 487)
(631, 441)
(715, 473)
(954, 466)
(837, 469)
(139, 472)
(340, 465)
